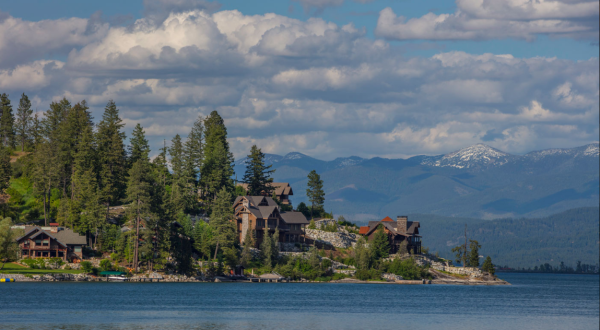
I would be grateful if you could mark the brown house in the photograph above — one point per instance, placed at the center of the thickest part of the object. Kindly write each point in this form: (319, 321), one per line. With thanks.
(52, 242)
(282, 190)
(254, 213)
(398, 231)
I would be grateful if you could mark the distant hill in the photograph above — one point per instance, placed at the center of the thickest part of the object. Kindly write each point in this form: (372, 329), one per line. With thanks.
(477, 182)
(567, 236)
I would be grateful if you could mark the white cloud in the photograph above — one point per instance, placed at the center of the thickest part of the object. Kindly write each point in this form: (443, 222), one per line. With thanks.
(496, 19)
(314, 87)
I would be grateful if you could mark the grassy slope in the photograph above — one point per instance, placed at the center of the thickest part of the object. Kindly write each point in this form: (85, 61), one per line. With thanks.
(12, 268)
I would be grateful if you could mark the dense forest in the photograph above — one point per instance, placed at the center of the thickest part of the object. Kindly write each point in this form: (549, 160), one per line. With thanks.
(65, 168)
(566, 237)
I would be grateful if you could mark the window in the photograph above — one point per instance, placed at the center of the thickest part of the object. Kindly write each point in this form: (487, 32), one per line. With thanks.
(77, 249)
(46, 242)
(38, 242)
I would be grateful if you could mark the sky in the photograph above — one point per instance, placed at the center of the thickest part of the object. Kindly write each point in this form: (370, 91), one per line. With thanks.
(327, 78)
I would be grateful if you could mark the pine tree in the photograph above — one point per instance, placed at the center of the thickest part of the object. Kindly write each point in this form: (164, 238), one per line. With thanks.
(111, 154)
(44, 174)
(217, 168)
(7, 122)
(138, 145)
(161, 166)
(315, 192)
(247, 252)
(24, 121)
(138, 193)
(362, 254)
(275, 246)
(380, 246)
(5, 169)
(257, 175)
(220, 220)
(193, 150)
(266, 248)
(488, 266)
(474, 247)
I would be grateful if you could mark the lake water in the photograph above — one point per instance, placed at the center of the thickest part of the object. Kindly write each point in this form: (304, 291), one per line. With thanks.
(534, 301)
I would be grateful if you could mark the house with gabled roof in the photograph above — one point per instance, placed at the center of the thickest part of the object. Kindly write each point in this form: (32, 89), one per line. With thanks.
(399, 231)
(51, 242)
(255, 213)
(282, 190)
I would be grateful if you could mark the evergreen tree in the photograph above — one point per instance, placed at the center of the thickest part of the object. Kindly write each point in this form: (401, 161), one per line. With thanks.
(5, 169)
(275, 246)
(257, 175)
(362, 254)
(7, 122)
(138, 193)
(380, 246)
(193, 150)
(315, 192)
(138, 145)
(246, 252)
(217, 168)
(474, 253)
(266, 248)
(44, 174)
(8, 243)
(161, 166)
(37, 131)
(24, 121)
(179, 189)
(112, 156)
(488, 266)
(220, 219)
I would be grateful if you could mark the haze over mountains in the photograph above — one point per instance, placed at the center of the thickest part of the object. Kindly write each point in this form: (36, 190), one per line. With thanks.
(478, 181)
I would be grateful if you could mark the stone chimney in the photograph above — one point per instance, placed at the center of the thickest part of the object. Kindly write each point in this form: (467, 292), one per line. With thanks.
(401, 223)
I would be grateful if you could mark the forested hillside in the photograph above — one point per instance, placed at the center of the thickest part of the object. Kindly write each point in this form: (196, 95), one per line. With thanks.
(567, 236)
(67, 168)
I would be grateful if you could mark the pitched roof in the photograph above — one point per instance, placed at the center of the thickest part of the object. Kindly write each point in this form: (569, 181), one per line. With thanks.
(387, 222)
(280, 188)
(38, 231)
(294, 217)
(387, 219)
(63, 236)
(363, 230)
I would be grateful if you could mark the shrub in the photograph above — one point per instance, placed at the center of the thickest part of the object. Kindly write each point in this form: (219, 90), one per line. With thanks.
(86, 266)
(338, 276)
(371, 274)
(408, 269)
(95, 271)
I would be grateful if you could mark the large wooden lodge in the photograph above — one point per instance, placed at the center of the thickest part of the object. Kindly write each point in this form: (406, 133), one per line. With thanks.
(51, 242)
(398, 231)
(255, 213)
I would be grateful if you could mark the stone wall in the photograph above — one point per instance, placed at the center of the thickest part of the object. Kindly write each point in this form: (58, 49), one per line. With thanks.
(468, 271)
(340, 239)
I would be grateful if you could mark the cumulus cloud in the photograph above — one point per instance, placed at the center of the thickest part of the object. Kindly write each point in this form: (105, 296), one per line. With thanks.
(314, 87)
(496, 19)
(320, 5)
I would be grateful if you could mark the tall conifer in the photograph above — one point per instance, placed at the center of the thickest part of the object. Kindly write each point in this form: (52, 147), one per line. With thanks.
(217, 168)
(258, 176)
(24, 121)
(7, 122)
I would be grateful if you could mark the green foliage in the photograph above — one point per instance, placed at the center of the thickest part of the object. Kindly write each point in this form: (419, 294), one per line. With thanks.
(331, 227)
(247, 256)
(362, 255)
(86, 266)
(8, 245)
(266, 248)
(474, 247)
(368, 274)
(7, 121)
(380, 246)
(225, 233)
(304, 209)
(217, 168)
(312, 224)
(488, 266)
(106, 265)
(314, 190)
(407, 268)
(258, 175)
(24, 121)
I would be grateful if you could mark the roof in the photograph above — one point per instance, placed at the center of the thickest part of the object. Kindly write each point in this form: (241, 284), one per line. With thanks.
(387, 222)
(271, 276)
(260, 206)
(39, 232)
(280, 188)
(65, 236)
(112, 273)
(68, 236)
(294, 217)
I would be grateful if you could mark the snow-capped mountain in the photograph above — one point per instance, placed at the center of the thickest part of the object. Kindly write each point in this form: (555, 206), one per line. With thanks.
(479, 155)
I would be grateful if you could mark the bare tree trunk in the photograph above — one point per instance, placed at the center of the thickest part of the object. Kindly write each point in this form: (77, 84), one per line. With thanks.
(216, 249)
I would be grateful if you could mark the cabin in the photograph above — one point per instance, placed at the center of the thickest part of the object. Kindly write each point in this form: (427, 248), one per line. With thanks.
(254, 213)
(51, 242)
(282, 190)
(398, 232)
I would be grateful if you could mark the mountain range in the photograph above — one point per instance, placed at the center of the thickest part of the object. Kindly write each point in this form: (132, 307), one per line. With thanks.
(477, 181)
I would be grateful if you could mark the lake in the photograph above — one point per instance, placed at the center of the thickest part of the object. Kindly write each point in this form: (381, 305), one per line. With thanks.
(534, 301)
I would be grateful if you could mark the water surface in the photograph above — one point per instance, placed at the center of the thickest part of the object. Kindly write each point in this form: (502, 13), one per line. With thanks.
(534, 301)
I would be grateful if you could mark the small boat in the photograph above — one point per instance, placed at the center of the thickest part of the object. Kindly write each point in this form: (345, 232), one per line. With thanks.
(117, 278)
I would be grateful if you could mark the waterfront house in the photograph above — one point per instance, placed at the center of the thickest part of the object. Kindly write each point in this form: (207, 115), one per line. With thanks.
(254, 213)
(399, 231)
(51, 242)
(282, 190)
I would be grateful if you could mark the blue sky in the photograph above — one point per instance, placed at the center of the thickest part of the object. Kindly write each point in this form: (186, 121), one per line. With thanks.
(328, 78)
